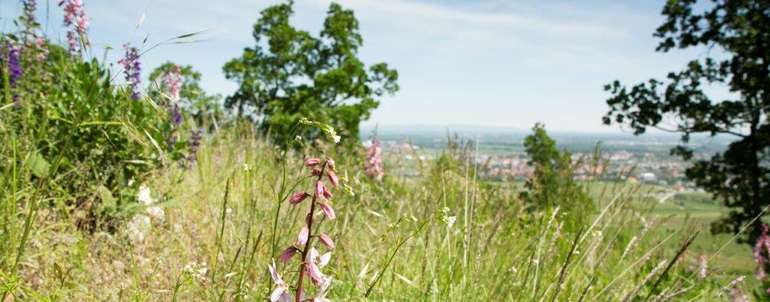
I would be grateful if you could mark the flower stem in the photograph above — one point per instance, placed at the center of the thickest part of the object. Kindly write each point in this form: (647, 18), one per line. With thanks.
(298, 295)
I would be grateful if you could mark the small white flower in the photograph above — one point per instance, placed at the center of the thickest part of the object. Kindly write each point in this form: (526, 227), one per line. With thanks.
(138, 228)
(144, 196)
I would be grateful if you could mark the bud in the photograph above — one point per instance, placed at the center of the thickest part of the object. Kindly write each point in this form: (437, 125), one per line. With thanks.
(311, 162)
(326, 240)
(298, 197)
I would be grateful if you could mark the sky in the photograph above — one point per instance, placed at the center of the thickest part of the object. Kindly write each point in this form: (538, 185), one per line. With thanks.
(461, 62)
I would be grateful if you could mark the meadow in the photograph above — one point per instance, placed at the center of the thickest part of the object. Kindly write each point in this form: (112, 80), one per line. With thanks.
(112, 189)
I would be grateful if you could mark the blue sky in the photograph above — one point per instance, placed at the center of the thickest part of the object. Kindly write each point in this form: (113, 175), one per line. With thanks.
(486, 63)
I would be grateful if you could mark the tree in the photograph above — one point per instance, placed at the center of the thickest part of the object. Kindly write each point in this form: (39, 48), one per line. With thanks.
(290, 74)
(204, 108)
(740, 31)
(552, 182)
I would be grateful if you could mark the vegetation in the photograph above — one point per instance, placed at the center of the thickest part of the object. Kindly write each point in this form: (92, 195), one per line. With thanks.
(552, 184)
(110, 190)
(739, 176)
(290, 74)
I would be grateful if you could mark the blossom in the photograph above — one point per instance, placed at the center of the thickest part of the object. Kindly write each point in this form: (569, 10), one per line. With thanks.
(312, 162)
(327, 209)
(326, 240)
(281, 292)
(333, 178)
(326, 193)
(195, 144)
(319, 188)
(13, 57)
(77, 21)
(132, 69)
(138, 228)
(373, 164)
(703, 266)
(288, 253)
(303, 235)
(320, 295)
(314, 263)
(173, 82)
(762, 253)
(298, 197)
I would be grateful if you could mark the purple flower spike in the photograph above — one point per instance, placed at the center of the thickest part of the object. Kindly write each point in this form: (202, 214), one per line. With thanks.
(132, 69)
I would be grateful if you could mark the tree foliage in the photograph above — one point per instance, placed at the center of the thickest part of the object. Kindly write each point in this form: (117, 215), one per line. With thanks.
(290, 74)
(739, 31)
(552, 184)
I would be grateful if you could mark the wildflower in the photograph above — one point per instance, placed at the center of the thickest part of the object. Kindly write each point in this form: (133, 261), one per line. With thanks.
(195, 144)
(326, 240)
(303, 236)
(173, 82)
(281, 292)
(288, 253)
(30, 22)
(703, 266)
(298, 197)
(319, 188)
(13, 55)
(320, 295)
(314, 263)
(327, 209)
(312, 162)
(326, 193)
(373, 163)
(138, 228)
(77, 22)
(333, 178)
(42, 49)
(132, 69)
(144, 195)
(762, 252)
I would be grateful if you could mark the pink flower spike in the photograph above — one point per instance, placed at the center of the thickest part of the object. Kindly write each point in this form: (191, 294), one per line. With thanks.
(333, 178)
(298, 197)
(288, 253)
(327, 209)
(311, 162)
(319, 189)
(326, 240)
(302, 237)
(314, 272)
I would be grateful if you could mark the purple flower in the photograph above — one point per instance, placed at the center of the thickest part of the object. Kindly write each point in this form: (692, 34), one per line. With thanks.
(762, 253)
(373, 163)
(14, 63)
(281, 292)
(173, 82)
(327, 209)
(132, 69)
(195, 144)
(176, 115)
(311, 162)
(326, 240)
(298, 197)
(288, 253)
(77, 22)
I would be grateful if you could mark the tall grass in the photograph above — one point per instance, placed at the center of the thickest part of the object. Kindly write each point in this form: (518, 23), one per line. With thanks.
(441, 236)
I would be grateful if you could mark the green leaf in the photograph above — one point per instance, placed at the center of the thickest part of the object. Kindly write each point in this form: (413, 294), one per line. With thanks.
(37, 164)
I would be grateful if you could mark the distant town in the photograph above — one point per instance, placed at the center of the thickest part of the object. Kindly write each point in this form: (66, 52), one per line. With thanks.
(499, 154)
